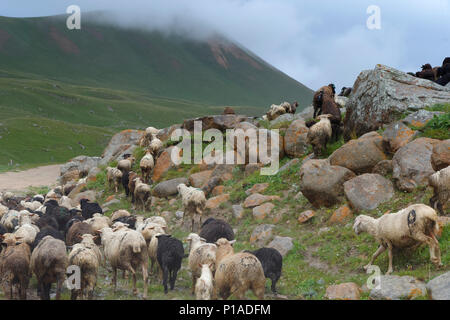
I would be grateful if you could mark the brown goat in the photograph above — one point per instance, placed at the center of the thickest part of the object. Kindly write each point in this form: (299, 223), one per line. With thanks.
(132, 183)
(75, 232)
(328, 90)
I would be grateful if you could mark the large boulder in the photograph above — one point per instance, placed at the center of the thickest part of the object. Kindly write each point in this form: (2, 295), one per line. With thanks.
(295, 144)
(322, 183)
(199, 179)
(164, 163)
(367, 191)
(412, 164)
(420, 118)
(165, 134)
(121, 143)
(282, 244)
(78, 167)
(382, 95)
(221, 122)
(398, 288)
(440, 158)
(168, 188)
(360, 155)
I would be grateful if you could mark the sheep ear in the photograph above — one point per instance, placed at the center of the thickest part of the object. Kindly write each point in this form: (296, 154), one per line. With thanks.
(203, 239)
(232, 242)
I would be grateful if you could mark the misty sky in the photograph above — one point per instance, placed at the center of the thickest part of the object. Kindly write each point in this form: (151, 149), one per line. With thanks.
(313, 41)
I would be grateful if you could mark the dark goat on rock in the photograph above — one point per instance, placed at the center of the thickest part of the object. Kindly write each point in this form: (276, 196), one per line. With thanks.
(318, 96)
(75, 232)
(169, 254)
(272, 263)
(88, 209)
(214, 229)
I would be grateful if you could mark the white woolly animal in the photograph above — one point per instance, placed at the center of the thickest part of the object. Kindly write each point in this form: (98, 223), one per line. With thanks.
(204, 286)
(114, 177)
(194, 202)
(119, 214)
(126, 164)
(3, 210)
(27, 233)
(87, 256)
(407, 228)
(65, 202)
(142, 193)
(98, 222)
(275, 111)
(201, 253)
(32, 205)
(319, 134)
(440, 182)
(147, 164)
(156, 146)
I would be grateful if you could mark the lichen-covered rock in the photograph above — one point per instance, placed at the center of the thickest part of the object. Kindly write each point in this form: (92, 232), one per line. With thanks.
(306, 216)
(220, 122)
(215, 202)
(282, 244)
(261, 234)
(262, 211)
(396, 136)
(440, 158)
(382, 95)
(238, 211)
(412, 164)
(199, 179)
(439, 287)
(120, 144)
(257, 188)
(164, 163)
(383, 168)
(341, 214)
(295, 144)
(323, 184)
(397, 288)
(343, 291)
(360, 155)
(420, 118)
(78, 167)
(257, 199)
(368, 191)
(166, 133)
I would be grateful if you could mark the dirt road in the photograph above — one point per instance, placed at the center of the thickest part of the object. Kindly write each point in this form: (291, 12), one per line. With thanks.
(37, 177)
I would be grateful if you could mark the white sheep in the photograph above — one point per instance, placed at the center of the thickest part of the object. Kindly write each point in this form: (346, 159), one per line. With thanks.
(440, 182)
(3, 210)
(149, 134)
(65, 202)
(409, 227)
(125, 165)
(27, 233)
(30, 205)
(147, 163)
(98, 222)
(275, 111)
(194, 202)
(142, 193)
(204, 287)
(156, 146)
(126, 250)
(200, 253)
(87, 256)
(319, 134)
(114, 177)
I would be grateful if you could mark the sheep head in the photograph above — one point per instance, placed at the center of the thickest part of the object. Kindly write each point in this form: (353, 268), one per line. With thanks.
(361, 224)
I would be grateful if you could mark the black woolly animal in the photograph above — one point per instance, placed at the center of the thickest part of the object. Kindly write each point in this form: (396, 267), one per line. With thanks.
(46, 231)
(170, 254)
(76, 218)
(47, 220)
(444, 74)
(129, 220)
(88, 209)
(61, 214)
(125, 182)
(38, 198)
(3, 229)
(345, 92)
(272, 263)
(214, 229)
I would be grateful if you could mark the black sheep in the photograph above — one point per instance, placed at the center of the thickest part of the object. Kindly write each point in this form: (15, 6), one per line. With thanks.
(170, 253)
(125, 182)
(272, 263)
(88, 209)
(129, 220)
(3, 229)
(46, 231)
(444, 75)
(47, 220)
(69, 223)
(214, 229)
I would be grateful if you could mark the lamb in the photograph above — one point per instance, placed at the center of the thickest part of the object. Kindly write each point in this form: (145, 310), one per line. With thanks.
(147, 163)
(201, 253)
(194, 202)
(319, 134)
(236, 273)
(204, 286)
(76, 231)
(440, 182)
(272, 263)
(170, 254)
(214, 229)
(15, 265)
(87, 257)
(155, 147)
(329, 106)
(126, 250)
(88, 209)
(49, 263)
(114, 177)
(328, 91)
(33, 205)
(126, 164)
(409, 227)
(142, 193)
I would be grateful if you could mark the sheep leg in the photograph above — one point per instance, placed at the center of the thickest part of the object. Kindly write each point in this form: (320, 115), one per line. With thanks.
(114, 280)
(23, 289)
(59, 285)
(173, 278)
(145, 278)
(165, 276)
(390, 254)
(437, 251)
(134, 282)
(379, 251)
(432, 242)
(194, 282)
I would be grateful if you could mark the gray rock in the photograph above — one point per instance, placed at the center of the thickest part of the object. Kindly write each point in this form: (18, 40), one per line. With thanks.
(238, 211)
(306, 113)
(397, 288)
(81, 163)
(220, 122)
(282, 244)
(179, 214)
(261, 234)
(439, 287)
(396, 136)
(121, 143)
(440, 157)
(368, 191)
(412, 164)
(382, 95)
(421, 117)
(287, 117)
(295, 144)
(109, 203)
(168, 188)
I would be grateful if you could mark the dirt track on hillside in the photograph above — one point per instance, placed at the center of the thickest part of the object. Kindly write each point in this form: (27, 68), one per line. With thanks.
(36, 177)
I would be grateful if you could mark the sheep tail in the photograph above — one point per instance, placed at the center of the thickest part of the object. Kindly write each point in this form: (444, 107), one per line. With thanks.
(136, 247)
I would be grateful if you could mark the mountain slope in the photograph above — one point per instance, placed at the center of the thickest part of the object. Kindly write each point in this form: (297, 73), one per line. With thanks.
(216, 72)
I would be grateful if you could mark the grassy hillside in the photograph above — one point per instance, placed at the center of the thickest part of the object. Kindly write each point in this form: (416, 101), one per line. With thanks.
(110, 78)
